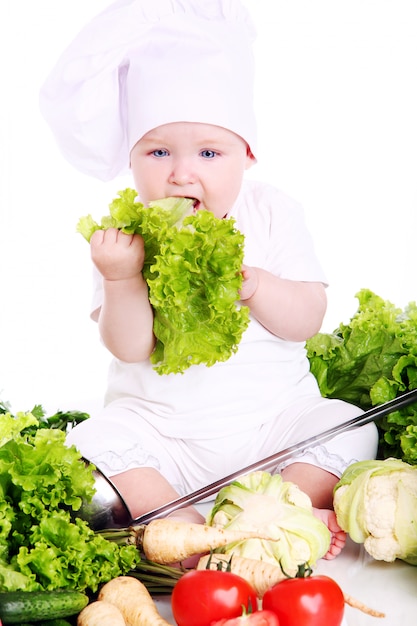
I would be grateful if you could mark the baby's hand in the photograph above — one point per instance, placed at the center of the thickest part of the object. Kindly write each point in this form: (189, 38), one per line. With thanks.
(250, 282)
(116, 255)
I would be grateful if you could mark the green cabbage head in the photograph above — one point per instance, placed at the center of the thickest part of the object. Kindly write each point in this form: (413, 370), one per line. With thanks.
(376, 503)
(265, 503)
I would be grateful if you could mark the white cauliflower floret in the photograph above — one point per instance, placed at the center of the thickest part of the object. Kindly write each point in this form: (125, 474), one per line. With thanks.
(381, 504)
(376, 503)
(298, 498)
(384, 548)
(381, 500)
(380, 508)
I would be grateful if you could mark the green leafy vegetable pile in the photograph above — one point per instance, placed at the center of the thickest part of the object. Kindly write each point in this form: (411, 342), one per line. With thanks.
(43, 545)
(193, 270)
(371, 360)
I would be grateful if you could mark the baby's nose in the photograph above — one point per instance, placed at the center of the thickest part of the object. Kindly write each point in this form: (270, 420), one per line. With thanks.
(182, 174)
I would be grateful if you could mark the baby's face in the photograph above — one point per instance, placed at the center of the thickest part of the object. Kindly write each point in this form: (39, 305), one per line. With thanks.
(191, 160)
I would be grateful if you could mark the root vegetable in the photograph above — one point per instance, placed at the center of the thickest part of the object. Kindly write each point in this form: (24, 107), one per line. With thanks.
(100, 613)
(259, 574)
(262, 576)
(169, 541)
(133, 600)
(356, 604)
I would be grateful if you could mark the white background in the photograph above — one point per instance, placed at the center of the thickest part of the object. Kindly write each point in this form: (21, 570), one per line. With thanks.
(336, 105)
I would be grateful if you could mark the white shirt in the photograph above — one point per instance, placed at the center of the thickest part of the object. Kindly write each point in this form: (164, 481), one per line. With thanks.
(266, 374)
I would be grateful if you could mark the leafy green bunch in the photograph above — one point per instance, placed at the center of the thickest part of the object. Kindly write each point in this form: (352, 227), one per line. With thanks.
(370, 360)
(193, 270)
(43, 483)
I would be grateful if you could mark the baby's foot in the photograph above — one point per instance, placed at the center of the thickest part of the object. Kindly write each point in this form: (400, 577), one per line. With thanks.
(338, 536)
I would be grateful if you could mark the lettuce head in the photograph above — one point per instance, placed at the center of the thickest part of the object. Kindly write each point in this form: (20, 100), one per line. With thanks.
(192, 266)
(44, 545)
(371, 360)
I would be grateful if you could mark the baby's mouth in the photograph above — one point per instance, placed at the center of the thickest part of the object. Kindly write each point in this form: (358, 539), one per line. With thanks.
(196, 204)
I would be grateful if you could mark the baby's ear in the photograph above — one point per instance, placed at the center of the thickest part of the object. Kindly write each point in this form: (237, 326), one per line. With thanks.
(250, 159)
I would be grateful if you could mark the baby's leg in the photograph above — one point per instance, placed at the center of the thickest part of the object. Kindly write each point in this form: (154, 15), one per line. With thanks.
(145, 489)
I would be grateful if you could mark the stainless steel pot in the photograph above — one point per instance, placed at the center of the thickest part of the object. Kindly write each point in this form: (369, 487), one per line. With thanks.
(107, 508)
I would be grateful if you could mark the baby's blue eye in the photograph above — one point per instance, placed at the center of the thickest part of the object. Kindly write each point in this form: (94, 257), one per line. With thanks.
(160, 153)
(208, 154)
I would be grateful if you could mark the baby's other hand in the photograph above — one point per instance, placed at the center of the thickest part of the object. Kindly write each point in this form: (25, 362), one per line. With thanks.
(250, 282)
(116, 255)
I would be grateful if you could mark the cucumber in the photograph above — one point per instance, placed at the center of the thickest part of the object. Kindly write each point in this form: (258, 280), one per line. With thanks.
(17, 607)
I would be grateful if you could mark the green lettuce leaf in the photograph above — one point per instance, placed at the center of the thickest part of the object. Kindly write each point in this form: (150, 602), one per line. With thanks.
(370, 360)
(13, 425)
(43, 545)
(192, 268)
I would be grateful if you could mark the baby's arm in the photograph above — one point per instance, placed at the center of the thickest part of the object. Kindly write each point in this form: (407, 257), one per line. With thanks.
(126, 318)
(292, 310)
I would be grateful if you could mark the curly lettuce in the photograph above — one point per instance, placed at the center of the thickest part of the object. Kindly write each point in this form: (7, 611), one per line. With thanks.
(370, 360)
(192, 267)
(43, 544)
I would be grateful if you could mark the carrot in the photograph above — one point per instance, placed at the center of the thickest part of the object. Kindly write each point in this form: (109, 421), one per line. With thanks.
(133, 600)
(259, 574)
(169, 541)
(100, 613)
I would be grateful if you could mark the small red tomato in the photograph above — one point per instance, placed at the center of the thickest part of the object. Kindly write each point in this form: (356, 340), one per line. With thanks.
(311, 601)
(201, 597)
(259, 618)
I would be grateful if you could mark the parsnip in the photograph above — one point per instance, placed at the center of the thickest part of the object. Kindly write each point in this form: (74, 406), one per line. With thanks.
(261, 575)
(167, 540)
(357, 604)
(133, 600)
(100, 613)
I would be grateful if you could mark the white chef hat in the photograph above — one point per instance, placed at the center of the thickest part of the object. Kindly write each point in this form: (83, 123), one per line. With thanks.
(143, 63)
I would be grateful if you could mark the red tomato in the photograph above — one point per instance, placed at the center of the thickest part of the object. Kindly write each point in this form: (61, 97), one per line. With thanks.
(260, 618)
(311, 601)
(201, 597)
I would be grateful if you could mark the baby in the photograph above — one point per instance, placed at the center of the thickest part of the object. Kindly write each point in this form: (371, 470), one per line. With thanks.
(165, 89)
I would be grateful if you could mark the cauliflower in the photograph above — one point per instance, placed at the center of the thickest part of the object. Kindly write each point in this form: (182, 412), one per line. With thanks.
(264, 503)
(376, 503)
